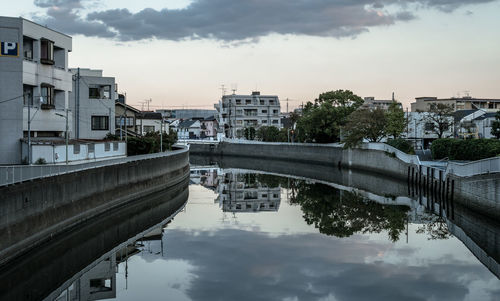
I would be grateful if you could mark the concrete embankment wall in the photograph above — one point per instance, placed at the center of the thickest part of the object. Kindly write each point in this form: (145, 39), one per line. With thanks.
(479, 192)
(34, 211)
(329, 155)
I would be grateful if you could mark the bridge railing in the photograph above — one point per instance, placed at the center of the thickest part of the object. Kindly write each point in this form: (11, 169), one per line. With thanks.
(20, 173)
(411, 159)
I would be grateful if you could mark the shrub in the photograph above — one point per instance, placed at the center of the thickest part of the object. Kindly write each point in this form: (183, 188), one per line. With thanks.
(41, 161)
(472, 149)
(402, 144)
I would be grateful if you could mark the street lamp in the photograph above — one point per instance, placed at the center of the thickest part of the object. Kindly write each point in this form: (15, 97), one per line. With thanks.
(67, 129)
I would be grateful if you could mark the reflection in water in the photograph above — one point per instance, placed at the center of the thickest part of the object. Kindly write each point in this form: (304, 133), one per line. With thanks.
(306, 240)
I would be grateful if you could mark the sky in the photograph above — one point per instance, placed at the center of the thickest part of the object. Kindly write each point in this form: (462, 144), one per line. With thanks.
(179, 52)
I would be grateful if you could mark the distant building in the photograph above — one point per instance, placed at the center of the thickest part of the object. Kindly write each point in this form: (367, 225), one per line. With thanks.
(423, 104)
(151, 122)
(474, 124)
(237, 112)
(209, 127)
(189, 129)
(33, 73)
(372, 103)
(186, 113)
(93, 104)
(420, 130)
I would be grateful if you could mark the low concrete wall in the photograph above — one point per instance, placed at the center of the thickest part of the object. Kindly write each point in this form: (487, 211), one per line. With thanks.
(33, 211)
(323, 154)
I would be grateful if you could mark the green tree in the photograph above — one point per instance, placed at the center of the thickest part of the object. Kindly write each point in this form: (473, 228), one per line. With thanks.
(271, 134)
(322, 120)
(344, 213)
(396, 121)
(250, 133)
(365, 124)
(495, 127)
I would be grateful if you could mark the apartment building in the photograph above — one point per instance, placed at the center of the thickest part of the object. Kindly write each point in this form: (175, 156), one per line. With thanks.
(423, 104)
(372, 103)
(92, 103)
(34, 85)
(243, 193)
(237, 112)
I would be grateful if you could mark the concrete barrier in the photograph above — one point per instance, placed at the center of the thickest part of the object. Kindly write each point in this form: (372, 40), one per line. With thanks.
(34, 211)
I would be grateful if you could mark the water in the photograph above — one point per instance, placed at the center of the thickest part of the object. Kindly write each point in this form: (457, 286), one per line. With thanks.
(247, 235)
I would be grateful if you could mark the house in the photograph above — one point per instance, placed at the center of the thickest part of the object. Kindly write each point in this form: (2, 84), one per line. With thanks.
(421, 131)
(209, 127)
(151, 122)
(189, 129)
(34, 86)
(126, 120)
(237, 112)
(186, 113)
(474, 124)
(92, 104)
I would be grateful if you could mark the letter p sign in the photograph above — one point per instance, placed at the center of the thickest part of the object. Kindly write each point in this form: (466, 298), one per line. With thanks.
(9, 49)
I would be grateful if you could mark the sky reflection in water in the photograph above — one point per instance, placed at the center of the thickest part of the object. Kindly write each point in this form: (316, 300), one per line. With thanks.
(366, 251)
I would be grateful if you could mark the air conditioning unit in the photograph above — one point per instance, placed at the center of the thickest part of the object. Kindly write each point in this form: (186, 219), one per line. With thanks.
(28, 54)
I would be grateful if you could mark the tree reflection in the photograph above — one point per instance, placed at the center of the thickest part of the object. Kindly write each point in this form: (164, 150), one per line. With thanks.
(435, 227)
(343, 213)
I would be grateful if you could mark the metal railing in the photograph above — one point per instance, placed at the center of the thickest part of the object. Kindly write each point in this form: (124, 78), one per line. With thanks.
(485, 166)
(15, 174)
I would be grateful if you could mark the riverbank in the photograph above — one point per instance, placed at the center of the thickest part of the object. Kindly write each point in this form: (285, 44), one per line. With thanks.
(32, 212)
(476, 185)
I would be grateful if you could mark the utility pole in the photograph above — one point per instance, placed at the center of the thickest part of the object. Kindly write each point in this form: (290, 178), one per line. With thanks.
(67, 136)
(287, 105)
(77, 104)
(29, 129)
(161, 135)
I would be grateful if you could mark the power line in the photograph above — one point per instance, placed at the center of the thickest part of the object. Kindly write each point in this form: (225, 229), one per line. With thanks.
(11, 99)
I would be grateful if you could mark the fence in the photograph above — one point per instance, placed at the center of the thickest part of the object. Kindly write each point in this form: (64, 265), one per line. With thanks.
(16, 174)
(485, 166)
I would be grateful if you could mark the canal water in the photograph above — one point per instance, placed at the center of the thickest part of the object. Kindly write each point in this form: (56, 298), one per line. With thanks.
(256, 235)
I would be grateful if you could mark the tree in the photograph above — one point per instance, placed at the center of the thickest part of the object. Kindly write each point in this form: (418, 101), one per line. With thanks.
(322, 120)
(365, 124)
(439, 118)
(396, 121)
(495, 127)
(250, 133)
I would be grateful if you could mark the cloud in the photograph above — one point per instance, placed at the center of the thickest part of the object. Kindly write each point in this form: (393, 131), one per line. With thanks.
(237, 20)
(310, 267)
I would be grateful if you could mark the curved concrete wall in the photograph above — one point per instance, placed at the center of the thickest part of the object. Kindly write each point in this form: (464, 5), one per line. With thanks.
(33, 211)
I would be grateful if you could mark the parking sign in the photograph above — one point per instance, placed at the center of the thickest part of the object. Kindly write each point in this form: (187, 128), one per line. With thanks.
(9, 49)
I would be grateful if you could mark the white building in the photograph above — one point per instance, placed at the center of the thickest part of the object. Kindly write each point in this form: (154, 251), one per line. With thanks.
(237, 112)
(420, 130)
(475, 124)
(189, 129)
(239, 194)
(34, 77)
(151, 122)
(93, 104)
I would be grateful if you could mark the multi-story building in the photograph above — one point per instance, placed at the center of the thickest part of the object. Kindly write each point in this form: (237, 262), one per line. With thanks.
(372, 103)
(151, 122)
(237, 112)
(34, 78)
(93, 104)
(422, 104)
(240, 192)
(209, 127)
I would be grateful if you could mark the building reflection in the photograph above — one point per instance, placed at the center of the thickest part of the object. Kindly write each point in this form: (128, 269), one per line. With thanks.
(98, 281)
(243, 192)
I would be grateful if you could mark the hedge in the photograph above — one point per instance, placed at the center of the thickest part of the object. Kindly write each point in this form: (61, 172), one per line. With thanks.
(471, 149)
(401, 144)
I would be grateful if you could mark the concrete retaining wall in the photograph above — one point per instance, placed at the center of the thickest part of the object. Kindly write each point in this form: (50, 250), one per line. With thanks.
(33, 211)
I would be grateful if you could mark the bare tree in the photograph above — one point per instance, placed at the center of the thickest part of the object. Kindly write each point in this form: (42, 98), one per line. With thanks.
(439, 118)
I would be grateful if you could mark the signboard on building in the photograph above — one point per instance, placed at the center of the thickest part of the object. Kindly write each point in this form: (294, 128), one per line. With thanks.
(9, 49)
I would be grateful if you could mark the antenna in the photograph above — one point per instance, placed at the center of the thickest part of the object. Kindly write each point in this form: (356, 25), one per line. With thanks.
(234, 87)
(223, 89)
(466, 93)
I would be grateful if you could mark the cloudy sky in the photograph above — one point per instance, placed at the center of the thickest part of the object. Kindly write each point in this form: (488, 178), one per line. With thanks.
(180, 52)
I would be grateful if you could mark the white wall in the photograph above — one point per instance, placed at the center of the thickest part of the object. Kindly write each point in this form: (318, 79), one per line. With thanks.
(57, 153)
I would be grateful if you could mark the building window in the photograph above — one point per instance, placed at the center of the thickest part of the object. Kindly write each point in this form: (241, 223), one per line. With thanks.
(91, 147)
(264, 121)
(47, 96)
(149, 128)
(264, 111)
(99, 92)
(107, 146)
(429, 126)
(76, 149)
(248, 101)
(115, 146)
(28, 48)
(275, 121)
(100, 123)
(238, 101)
(239, 122)
(271, 102)
(262, 102)
(46, 52)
